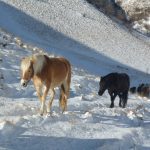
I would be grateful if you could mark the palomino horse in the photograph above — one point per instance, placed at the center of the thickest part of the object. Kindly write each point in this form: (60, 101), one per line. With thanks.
(47, 73)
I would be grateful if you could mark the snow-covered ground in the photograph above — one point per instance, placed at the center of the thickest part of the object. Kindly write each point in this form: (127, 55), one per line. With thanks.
(95, 46)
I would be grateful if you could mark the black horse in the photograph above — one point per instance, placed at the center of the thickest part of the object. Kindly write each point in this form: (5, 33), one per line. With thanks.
(116, 84)
(142, 90)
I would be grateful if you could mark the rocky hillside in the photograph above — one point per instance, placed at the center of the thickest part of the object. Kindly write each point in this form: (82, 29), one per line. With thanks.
(133, 13)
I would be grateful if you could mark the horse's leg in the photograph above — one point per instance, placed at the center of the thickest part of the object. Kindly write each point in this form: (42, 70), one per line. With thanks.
(45, 92)
(120, 99)
(38, 87)
(62, 98)
(67, 89)
(38, 90)
(64, 94)
(113, 96)
(52, 94)
(124, 100)
(64, 90)
(67, 84)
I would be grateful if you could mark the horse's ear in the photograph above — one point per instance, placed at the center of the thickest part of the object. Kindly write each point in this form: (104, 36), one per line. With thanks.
(31, 61)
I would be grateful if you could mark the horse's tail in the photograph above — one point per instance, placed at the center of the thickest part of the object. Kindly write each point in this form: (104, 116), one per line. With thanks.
(65, 87)
(69, 79)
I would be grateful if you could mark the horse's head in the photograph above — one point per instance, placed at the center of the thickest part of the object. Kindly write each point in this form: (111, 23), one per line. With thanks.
(26, 71)
(103, 86)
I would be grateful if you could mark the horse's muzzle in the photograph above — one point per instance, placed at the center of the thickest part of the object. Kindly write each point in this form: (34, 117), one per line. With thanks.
(24, 82)
(100, 93)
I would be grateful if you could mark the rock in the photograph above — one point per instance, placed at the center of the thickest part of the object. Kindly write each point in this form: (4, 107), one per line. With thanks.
(135, 13)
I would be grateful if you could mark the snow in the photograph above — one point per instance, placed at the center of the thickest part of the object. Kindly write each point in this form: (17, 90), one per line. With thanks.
(95, 46)
(50, 26)
(140, 25)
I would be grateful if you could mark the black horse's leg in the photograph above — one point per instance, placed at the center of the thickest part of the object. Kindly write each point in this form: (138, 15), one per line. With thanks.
(113, 96)
(120, 100)
(120, 105)
(124, 100)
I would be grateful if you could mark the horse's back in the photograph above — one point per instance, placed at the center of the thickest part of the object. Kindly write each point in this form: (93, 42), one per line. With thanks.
(123, 77)
(58, 70)
(124, 81)
(65, 61)
(61, 64)
(58, 61)
(120, 76)
(119, 81)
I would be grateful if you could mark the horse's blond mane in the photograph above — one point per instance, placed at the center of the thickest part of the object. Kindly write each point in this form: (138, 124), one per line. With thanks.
(25, 63)
(38, 62)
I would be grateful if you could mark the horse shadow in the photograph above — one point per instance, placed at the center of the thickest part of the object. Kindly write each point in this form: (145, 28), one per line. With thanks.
(29, 142)
(14, 138)
(39, 142)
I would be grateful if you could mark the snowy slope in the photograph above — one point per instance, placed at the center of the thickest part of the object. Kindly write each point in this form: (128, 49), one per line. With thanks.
(75, 28)
(95, 46)
(88, 124)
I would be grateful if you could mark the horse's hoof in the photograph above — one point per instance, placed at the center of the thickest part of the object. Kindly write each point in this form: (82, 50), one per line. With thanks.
(48, 114)
(41, 114)
(65, 112)
(111, 106)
